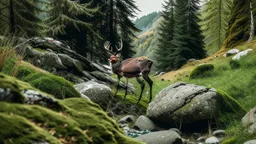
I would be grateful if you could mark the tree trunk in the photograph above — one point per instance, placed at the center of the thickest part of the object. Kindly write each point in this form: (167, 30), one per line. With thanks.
(11, 18)
(252, 24)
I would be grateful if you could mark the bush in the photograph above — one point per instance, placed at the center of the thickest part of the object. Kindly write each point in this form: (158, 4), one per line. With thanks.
(201, 71)
(234, 64)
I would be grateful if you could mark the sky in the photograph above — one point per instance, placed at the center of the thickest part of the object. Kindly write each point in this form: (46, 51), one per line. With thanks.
(148, 6)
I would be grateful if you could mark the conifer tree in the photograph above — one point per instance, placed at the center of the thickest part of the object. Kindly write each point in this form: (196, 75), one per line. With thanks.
(165, 37)
(118, 16)
(215, 17)
(239, 24)
(20, 17)
(71, 21)
(187, 39)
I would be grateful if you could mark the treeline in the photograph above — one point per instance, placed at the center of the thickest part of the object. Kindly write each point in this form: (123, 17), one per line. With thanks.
(190, 30)
(83, 24)
(146, 21)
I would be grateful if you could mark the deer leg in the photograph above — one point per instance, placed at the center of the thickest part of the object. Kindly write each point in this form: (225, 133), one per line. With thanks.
(117, 87)
(150, 83)
(142, 85)
(126, 87)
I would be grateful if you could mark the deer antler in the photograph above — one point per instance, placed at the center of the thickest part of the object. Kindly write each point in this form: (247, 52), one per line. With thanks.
(120, 48)
(107, 46)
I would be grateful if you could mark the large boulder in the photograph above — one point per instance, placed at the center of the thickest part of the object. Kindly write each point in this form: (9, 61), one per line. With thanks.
(249, 121)
(161, 137)
(98, 93)
(186, 103)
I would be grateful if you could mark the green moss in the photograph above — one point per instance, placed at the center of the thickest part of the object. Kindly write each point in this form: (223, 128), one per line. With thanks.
(46, 82)
(39, 49)
(55, 85)
(231, 140)
(230, 103)
(101, 128)
(17, 129)
(52, 124)
(202, 71)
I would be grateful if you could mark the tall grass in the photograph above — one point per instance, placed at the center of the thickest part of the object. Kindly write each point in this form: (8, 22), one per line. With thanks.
(8, 57)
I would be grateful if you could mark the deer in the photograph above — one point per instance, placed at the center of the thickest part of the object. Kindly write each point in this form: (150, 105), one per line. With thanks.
(129, 68)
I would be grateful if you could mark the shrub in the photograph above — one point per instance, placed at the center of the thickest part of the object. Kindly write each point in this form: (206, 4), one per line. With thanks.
(234, 64)
(201, 71)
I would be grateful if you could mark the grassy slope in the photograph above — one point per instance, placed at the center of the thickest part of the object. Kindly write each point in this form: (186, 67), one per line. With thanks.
(238, 83)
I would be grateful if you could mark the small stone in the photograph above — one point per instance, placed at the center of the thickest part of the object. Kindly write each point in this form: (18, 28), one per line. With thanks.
(212, 140)
(219, 133)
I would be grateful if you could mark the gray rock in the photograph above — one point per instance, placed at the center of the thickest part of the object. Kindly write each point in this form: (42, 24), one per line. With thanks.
(219, 133)
(231, 52)
(144, 123)
(103, 77)
(127, 119)
(240, 54)
(201, 139)
(186, 103)
(212, 140)
(161, 137)
(88, 75)
(70, 62)
(249, 121)
(32, 53)
(250, 142)
(98, 67)
(51, 60)
(98, 93)
(34, 97)
(176, 130)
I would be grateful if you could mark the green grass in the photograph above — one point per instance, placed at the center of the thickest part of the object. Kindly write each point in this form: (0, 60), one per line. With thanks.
(239, 84)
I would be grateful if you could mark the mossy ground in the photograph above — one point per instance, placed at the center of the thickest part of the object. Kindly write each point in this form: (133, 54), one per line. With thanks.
(57, 86)
(79, 121)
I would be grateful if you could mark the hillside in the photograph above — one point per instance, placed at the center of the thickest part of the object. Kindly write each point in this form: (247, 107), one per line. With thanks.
(145, 22)
(147, 40)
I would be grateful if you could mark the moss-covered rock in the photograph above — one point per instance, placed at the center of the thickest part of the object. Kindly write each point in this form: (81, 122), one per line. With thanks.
(201, 70)
(13, 90)
(47, 82)
(79, 121)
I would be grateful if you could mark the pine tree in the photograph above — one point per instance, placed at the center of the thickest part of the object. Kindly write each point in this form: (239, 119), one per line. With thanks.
(239, 24)
(165, 37)
(187, 39)
(72, 21)
(196, 37)
(215, 17)
(20, 17)
(118, 16)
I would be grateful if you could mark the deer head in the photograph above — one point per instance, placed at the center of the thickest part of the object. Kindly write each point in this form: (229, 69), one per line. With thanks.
(114, 55)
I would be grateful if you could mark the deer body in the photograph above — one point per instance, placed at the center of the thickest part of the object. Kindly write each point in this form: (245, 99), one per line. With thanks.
(130, 68)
